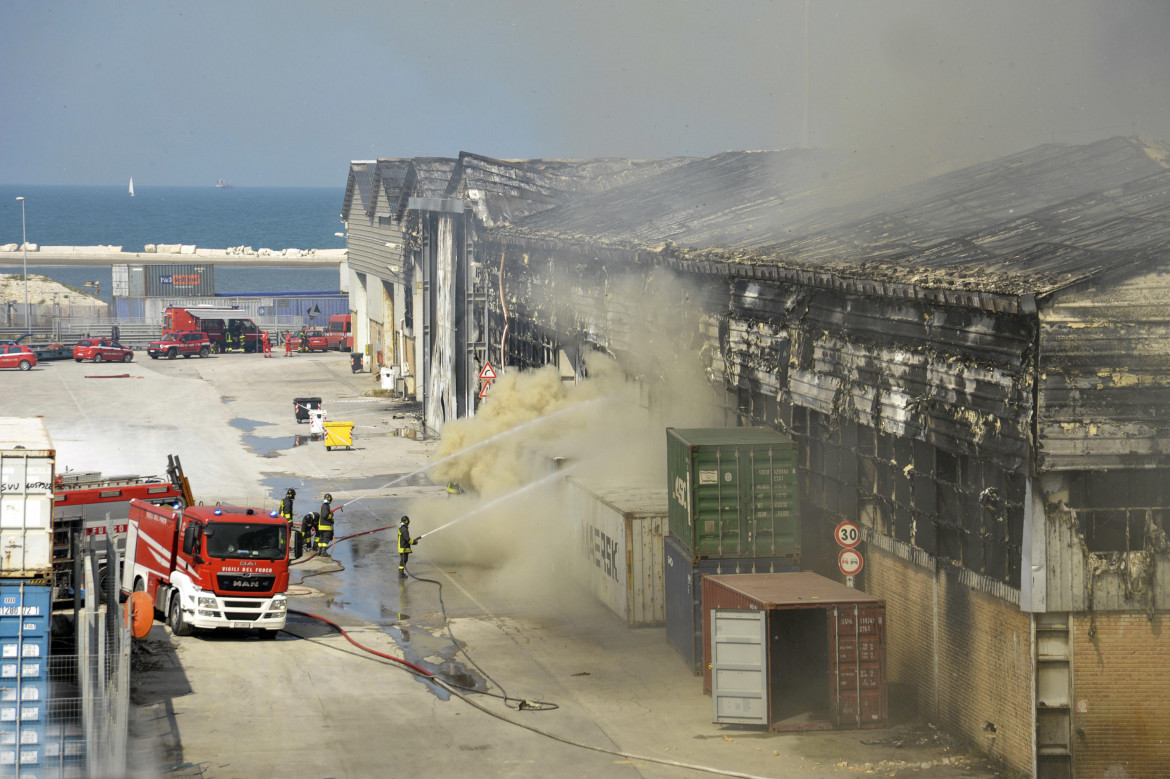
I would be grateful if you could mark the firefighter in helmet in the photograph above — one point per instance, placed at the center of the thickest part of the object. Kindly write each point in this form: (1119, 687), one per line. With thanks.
(286, 508)
(309, 531)
(405, 544)
(325, 526)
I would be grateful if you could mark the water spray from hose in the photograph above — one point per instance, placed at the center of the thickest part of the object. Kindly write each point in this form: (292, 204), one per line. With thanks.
(503, 434)
(514, 493)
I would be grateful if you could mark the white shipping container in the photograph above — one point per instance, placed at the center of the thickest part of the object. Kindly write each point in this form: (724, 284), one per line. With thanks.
(27, 460)
(621, 530)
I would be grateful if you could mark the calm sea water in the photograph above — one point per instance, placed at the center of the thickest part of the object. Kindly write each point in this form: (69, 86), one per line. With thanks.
(261, 217)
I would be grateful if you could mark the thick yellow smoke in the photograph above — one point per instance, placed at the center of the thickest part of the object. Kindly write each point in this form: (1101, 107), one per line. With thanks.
(534, 425)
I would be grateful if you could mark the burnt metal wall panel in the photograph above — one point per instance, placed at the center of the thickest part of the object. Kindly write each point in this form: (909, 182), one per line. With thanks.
(1105, 376)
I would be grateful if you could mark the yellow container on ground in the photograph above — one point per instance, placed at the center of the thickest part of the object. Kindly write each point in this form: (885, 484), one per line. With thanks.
(338, 434)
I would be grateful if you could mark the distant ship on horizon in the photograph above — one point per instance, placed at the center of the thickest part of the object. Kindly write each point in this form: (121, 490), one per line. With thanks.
(221, 184)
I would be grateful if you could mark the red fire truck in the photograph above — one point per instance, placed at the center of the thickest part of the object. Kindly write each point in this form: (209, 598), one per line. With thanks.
(220, 324)
(210, 566)
(89, 505)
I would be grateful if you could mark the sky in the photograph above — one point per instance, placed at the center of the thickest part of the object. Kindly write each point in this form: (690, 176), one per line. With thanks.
(287, 93)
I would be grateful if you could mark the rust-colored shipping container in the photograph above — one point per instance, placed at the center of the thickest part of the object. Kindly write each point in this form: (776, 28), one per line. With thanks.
(794, 651)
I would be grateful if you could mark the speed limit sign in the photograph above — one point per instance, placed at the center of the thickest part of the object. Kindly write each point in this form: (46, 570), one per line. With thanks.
(848, 534)
(849, 561)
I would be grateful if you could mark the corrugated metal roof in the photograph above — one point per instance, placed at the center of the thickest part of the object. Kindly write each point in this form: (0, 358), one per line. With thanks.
(360, 183)
(792, 589)
(1025, 225)
(389, 187)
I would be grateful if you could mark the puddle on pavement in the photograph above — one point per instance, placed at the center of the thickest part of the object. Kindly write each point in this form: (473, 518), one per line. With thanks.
(421, 648)
(271, 447)
(247, 425)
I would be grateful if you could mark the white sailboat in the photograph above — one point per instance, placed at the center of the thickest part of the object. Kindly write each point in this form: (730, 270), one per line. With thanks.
(131, 186)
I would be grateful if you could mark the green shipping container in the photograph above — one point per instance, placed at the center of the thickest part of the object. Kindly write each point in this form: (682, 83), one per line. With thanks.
(733, 492)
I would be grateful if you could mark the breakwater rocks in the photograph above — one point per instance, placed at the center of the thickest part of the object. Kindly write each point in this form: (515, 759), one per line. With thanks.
(156, 253)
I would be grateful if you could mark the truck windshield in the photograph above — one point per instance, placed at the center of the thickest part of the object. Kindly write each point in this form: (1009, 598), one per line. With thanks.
(244, 540)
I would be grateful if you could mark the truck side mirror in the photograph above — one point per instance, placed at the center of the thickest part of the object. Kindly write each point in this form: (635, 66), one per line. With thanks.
(189, 539)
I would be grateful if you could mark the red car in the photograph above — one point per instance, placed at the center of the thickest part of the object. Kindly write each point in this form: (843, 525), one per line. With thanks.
(17, 357)
(101, 350)
(316, 341)
(175, 344)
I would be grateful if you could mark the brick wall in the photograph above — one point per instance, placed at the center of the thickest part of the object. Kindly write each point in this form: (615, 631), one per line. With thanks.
(1121, 689)
(985, 672)
(984, 660)
(906, 589)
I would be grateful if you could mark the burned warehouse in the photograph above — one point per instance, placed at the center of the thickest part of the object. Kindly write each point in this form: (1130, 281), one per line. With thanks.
(975, 368)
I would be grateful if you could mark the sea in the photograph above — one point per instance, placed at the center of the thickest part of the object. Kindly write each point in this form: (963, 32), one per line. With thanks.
(208, 217)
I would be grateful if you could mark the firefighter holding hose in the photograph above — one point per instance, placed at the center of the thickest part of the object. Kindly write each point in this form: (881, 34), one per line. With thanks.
(405, 544)
(325, 525)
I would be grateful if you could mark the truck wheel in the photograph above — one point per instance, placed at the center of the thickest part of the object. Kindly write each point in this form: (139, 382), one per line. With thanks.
(172, 353)
(175, 619)
(204, 352)
(97, 358)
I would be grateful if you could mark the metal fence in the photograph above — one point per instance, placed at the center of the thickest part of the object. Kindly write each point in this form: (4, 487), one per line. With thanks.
(81, 728)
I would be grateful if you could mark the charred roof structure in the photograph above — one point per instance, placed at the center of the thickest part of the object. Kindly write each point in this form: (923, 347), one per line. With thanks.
(975, 367)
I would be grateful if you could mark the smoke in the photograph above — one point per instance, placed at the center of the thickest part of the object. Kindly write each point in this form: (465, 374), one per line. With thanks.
(608, 427)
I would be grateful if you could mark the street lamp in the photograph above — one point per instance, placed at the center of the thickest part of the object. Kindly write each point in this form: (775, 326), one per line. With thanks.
(24, 248)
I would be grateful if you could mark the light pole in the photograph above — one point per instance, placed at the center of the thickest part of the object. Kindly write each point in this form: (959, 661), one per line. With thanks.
(24, 248)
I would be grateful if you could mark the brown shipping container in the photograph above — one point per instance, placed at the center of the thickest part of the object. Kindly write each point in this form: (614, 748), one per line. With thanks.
(823, 660)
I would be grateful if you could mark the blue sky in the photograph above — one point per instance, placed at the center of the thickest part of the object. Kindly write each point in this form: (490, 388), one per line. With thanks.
(287, 93)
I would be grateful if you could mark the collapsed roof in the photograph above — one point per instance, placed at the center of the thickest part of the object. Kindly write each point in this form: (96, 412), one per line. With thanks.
(1023, 225)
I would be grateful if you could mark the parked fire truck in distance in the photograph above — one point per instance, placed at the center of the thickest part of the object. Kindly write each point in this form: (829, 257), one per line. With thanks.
(210, 566)
(220, 325)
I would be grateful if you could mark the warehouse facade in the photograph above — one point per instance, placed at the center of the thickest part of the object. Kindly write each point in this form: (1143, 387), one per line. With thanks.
(974, 367)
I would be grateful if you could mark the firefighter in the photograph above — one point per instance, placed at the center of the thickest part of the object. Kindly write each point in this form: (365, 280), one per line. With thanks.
(325, 526)
(453, 488)
(235, 339)
(404, 545)
(309, 531)
(286, 508)
(304, 346)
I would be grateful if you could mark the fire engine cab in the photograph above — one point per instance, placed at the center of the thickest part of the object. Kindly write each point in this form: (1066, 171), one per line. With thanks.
(210, 566)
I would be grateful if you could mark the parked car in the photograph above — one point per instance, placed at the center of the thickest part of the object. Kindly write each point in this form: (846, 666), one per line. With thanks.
(16, 356)
(175, 344)
(102, 350)
(316, 339)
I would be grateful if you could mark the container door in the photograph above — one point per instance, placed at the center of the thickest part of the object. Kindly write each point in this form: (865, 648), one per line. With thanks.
(739, 666)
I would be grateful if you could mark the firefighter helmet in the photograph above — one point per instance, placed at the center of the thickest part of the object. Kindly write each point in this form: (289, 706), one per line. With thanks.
(328, 498)
(291, 492)
(405, 520)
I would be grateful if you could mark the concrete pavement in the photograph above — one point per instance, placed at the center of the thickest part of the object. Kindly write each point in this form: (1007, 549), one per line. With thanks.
(311, 704)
